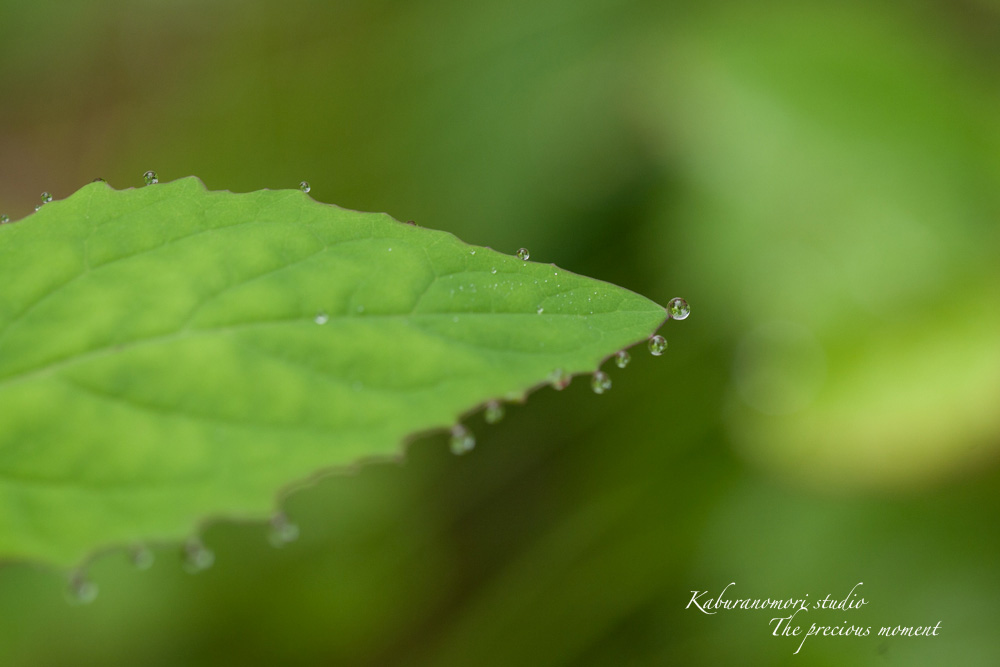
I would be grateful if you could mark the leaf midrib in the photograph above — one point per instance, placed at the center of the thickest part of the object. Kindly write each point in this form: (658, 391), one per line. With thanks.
(51, 367)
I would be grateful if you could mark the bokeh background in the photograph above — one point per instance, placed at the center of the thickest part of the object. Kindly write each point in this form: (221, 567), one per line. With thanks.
(820, 180)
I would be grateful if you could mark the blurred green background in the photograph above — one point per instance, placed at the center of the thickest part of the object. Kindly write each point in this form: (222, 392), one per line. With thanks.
(820, 180)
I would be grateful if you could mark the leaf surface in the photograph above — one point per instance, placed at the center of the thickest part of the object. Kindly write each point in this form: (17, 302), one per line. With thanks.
(169, 354)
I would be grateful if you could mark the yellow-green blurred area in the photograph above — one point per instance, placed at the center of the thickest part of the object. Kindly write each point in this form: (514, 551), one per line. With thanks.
(820, 180)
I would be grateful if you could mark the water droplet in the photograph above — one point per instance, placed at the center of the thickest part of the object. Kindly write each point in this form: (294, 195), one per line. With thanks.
(150, 178)
(657, 345)
(322, 318)
(494, 412)
(600, 383)
(38, 207)
(462, 440)
(678, 308)
(142, 557)
(4, 219)
(472, 252)
(540, 310)
(493, 270)
(46, 198)
(81, 590)
(197, 557)
(622, 358)
(559, 379)
(523, 254)
(282, 531)
(305, 187)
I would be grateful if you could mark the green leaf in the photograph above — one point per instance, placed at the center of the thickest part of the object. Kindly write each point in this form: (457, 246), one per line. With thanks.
(169, 354)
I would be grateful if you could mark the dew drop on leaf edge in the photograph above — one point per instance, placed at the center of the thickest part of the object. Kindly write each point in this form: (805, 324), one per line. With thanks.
(197, 557)
(81, 590)
(282, 531)
(462, 440)
(622, 358)
(4, 219)
(305, 187)
(559, 379)
(142, 557)
(149, 178)
(523, 254)
(494, 412)
(678, 308)
(46, 198)
(600, 383)
(657, 345)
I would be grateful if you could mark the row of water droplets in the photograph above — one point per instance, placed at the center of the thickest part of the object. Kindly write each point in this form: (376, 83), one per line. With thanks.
(196, 557)
(462, 440)
(46, 198)
(149, 178)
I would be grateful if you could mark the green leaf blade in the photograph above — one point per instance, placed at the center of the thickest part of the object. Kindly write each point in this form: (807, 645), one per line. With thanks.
(169, 354)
